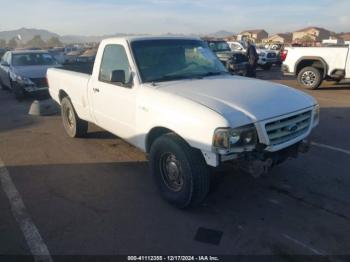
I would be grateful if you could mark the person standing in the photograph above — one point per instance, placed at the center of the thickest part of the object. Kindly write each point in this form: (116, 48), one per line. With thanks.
(252, 59)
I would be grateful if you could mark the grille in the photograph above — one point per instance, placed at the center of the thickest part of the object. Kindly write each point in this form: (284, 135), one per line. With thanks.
(286, 129)
(271, 55)
(39, 82)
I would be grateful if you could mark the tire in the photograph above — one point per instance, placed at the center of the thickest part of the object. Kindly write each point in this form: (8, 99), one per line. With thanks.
(266, 67)
(2, 86)
(310, 77)
(187, 165)
(18, 92)
(73, 125)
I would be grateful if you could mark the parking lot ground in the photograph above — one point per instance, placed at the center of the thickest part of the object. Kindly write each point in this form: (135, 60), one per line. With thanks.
(95, 196)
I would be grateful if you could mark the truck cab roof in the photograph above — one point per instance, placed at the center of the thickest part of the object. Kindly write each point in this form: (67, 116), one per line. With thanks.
(149, 37)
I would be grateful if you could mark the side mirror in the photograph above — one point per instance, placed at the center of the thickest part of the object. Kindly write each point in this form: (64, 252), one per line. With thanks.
(117, 76)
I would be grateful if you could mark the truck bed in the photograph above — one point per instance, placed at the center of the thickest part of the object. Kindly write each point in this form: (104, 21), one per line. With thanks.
(85, 68)
(334, 57)
(73, 82)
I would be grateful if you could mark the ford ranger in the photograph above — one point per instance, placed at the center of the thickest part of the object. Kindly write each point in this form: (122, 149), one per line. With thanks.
(172, 98)
(312, 65)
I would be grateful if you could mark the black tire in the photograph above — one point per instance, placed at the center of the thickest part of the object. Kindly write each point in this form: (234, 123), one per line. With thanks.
(194, 176)
(73, 125)
(310, 77)
(266, 67)
(18, 92)
(2, 86)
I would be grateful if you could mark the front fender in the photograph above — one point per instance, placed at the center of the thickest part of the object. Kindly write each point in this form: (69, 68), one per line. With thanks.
(193, 122)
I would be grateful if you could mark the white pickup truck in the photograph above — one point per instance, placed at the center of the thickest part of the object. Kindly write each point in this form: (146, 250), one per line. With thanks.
(312, 65)
(172, 98)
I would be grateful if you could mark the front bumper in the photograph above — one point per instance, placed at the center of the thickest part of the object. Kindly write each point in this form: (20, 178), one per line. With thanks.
(34, 90)
(267, 61)
(259, 162)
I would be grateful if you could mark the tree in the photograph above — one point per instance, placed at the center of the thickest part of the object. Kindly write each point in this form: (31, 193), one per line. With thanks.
(54, 41)
(36, 42)
(2, 43)
(12, 43)
(307, 39)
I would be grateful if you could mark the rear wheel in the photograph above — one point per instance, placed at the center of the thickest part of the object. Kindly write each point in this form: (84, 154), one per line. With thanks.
(74, 126)
(180, 171)
(310, 77)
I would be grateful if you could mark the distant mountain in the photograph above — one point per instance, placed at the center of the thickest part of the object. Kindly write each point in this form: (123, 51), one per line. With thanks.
(27, 34)
(76, 39)
(220, 34)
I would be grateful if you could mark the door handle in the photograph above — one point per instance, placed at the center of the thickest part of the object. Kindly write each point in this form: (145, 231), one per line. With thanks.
(96, 90)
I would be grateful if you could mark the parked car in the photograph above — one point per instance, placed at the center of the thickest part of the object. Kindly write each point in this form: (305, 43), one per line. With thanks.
(235, 62)
(172, 98)
(72, 56)
(277, 48)
(266, 57)
(24, 72)
(313, 65)
(87, 57)
(58, 54)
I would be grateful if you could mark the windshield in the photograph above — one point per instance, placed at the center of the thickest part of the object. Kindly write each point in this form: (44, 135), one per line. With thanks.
(32, 59)
(219, 46)
(166, 60)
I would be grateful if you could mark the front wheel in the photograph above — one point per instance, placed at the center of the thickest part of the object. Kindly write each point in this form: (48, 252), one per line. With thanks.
(18, 92)
(310, 77)
(266, 67)
(180, 172)
(74, 126)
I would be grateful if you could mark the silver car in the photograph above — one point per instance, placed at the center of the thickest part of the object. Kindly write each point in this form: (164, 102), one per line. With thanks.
(24, 72)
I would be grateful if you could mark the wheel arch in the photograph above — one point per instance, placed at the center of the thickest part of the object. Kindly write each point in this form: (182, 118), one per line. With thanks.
(313, 61)
(155, 133)
(62, 94)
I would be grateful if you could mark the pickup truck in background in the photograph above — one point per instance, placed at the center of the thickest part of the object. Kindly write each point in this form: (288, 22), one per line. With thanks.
(267, 57)
(312, 65)
(235, 62)
(172, 98)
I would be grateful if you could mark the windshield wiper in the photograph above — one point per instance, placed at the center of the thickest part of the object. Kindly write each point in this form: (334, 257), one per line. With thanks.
(190, 76)
(214, 74)
(172, 77)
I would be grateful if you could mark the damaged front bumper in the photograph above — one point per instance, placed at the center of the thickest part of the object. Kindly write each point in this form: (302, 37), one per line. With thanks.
(259, 162)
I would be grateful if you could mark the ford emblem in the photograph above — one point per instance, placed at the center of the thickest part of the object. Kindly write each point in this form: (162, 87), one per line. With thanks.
(292, 128)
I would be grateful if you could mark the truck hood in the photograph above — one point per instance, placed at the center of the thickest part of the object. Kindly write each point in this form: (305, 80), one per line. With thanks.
(33, 71)
(255, 100)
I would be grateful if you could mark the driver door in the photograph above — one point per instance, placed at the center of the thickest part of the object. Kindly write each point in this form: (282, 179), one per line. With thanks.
(113, 104)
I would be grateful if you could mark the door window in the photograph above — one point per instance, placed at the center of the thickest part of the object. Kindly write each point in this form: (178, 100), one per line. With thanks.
(114, 58)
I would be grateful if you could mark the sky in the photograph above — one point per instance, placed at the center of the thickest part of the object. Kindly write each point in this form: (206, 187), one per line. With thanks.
(92, 17)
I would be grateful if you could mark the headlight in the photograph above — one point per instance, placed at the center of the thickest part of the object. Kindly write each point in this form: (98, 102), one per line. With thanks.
(316, 115)
(234, 139)
(23, 80)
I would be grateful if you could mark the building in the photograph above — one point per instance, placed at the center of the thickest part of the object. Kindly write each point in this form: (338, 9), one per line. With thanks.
(311, 34)
(257, 35)
(231, 38)
(279, 38)
(345, 36)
